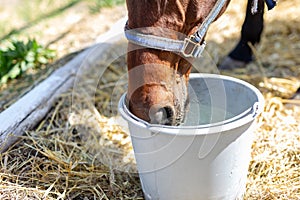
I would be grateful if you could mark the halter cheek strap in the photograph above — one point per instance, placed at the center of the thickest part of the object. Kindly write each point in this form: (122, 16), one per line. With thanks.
(191, 46)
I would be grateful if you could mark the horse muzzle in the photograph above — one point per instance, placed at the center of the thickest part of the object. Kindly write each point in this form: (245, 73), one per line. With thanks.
(159, 114)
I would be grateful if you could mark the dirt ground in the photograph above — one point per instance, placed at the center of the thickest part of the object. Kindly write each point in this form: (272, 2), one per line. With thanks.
(72, 30)
(67, 33)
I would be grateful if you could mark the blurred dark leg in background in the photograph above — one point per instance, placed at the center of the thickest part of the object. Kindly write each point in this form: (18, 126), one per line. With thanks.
(251, 32)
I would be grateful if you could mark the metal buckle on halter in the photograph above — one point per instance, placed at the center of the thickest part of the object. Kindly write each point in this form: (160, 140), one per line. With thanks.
(191, 48)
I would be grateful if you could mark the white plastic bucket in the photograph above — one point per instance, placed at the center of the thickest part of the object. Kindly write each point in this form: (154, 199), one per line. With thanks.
(208, 160)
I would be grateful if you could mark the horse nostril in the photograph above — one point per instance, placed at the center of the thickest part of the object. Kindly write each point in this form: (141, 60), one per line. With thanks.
(168, 112)
(161, 115)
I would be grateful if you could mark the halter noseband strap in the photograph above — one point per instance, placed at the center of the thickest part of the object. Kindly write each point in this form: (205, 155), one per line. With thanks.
(191, 46)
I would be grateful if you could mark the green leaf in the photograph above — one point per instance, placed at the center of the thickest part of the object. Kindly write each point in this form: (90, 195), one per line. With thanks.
(18, 57)
(42, 59)
(24, 66)
(15, 71)
(30, 57)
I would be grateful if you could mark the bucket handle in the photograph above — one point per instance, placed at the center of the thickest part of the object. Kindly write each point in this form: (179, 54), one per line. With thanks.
(253, 112)
(255, 109)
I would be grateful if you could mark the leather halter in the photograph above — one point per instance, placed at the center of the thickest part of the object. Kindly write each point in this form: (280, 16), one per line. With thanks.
(191, 46)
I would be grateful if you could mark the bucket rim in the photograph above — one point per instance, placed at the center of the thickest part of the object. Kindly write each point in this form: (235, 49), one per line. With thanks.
(237, 121)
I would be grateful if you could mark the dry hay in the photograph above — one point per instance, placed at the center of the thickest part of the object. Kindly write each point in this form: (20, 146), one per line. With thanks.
(274, 171)
(75, 153)
(80, 150)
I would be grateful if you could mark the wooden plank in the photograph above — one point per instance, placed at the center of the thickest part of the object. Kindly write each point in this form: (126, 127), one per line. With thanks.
(31, 108)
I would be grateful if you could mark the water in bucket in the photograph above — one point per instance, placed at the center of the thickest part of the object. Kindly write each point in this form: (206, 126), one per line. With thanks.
(210, 103)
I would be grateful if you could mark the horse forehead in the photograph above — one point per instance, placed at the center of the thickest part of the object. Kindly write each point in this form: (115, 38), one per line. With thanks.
(150, 11)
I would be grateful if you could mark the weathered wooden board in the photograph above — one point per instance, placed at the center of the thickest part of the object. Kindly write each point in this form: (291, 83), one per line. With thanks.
(31, 108)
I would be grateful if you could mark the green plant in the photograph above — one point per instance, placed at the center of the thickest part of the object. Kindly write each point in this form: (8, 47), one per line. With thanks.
(20, 56)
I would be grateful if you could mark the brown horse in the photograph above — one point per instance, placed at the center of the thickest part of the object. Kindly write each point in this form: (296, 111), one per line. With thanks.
(158, 79)
(157, 86)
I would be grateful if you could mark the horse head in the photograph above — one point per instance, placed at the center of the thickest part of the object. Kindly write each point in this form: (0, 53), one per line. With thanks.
(158, 79)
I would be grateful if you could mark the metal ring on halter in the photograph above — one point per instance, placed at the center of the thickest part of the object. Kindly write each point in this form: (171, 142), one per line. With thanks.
(192, 48)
